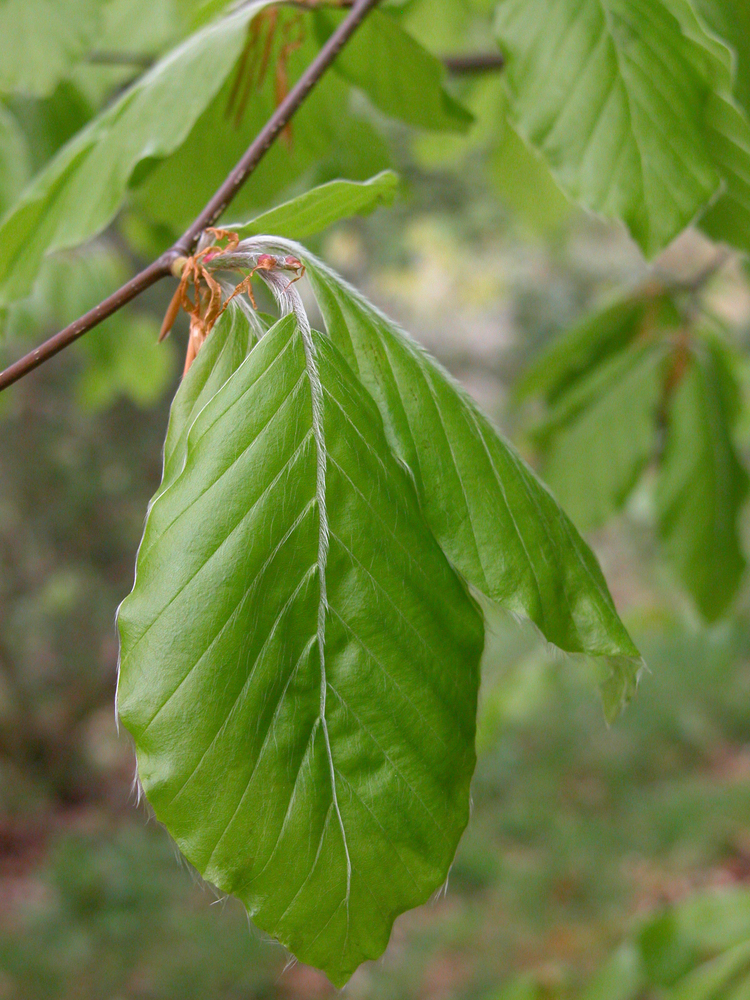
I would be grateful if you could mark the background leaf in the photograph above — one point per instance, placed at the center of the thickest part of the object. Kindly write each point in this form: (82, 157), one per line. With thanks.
(343, 676)
(612, 94)
(599, 438)
(401, 78)
(701, 485)
(81, 189)
(41, 39)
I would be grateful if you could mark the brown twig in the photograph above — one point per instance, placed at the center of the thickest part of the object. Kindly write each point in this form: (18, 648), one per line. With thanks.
(162, 267)
(482, 62)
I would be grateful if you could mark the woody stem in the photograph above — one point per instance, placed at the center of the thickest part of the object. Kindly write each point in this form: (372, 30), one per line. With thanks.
(161, 267)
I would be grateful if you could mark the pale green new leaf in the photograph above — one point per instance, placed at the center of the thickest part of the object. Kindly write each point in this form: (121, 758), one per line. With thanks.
(325, 136)
(41, 39)
(497, 523)
(600, 436)
(14, 160)
(320, 207)
(612, 93)
(299, 661)
(77, 194)
(702, 486)
(400, 77)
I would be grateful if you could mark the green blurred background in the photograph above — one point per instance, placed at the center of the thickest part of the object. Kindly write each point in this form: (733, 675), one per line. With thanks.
(582, 837)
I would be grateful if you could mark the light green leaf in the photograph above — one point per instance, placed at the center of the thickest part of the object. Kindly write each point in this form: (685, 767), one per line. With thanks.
(730, 19)
(612, 93)
(400, 77)
(299, 661)
(325, 137)
(525, 183)
(81, 189)
(702, 486)
(314, 210)
(497, 523)
(41, 39)
(728, 219)
(14, 160)
(601, 435)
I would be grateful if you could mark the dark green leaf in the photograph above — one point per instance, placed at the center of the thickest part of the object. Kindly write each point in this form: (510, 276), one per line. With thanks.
(299, 662)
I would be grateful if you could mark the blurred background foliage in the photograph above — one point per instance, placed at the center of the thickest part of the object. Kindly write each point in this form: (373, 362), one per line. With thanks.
(599, 862)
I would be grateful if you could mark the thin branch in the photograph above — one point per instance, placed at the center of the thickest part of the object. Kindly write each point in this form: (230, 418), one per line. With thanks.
(161, 267)
(481, 62)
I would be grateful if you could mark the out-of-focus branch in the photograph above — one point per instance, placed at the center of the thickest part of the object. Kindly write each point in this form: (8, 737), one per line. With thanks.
(474, 63)
(161, 267)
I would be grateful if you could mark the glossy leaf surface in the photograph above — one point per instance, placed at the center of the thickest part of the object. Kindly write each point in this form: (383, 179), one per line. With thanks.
(299, 663)
(497, 523)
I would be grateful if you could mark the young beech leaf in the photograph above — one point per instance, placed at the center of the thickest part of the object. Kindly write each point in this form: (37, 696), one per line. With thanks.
(612, 93)
(702, 485)
(320, 207)
(497, 523)
(299, 660)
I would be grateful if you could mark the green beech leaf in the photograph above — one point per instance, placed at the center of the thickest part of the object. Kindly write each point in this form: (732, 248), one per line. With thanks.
(728, 219)
(78, 193)
(400, 77)
(730, 19)
(701, 485)
(715, 979)
(314, 210)
(497, 523)
(612, 93)
(14, 160)
(41, 39)
(600, 436)
(299, 661)
(593, 341)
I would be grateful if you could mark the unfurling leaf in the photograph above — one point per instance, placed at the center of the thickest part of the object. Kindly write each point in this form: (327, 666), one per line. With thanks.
(299, 662)
(500, 527)
(300, 651)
